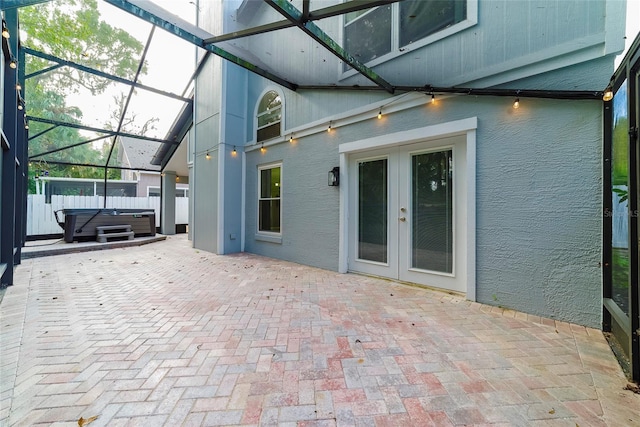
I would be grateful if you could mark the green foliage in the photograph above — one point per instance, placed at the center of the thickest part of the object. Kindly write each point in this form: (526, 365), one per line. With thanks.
(72, 30)
(620, 164)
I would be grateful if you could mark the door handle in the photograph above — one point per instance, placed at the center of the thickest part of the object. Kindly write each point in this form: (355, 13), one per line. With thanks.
(403, 219)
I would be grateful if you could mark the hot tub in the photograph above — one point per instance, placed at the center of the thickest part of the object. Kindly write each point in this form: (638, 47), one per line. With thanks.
(80, 224)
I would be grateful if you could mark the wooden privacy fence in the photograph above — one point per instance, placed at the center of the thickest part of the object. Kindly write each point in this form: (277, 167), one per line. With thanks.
(41, 219)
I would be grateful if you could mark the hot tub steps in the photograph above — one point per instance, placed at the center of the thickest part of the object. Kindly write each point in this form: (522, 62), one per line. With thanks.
(106, 232)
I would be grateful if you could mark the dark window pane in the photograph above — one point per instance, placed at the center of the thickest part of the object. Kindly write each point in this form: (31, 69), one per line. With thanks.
(369, 36)
(273, 116)
(269, 132)
(432, 211)
(270, 183)
(269, 214)
(372, 211)
(270, 101)
(419, 18)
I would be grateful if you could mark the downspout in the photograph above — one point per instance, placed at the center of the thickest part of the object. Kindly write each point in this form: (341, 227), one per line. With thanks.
(193, 141)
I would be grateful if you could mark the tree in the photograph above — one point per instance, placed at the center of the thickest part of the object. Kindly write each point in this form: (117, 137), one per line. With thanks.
(72, 30)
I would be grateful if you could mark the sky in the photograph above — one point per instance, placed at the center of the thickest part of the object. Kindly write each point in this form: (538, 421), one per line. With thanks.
(170, 65)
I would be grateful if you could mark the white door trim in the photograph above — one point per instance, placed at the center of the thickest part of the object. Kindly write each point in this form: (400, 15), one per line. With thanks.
(459, 127)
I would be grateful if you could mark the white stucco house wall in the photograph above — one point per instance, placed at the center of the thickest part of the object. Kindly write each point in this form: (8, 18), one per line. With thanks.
(467, 194)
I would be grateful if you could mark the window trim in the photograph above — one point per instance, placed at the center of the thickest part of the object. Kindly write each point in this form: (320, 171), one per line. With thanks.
(268, 236)
(470, 21)
(256, 112)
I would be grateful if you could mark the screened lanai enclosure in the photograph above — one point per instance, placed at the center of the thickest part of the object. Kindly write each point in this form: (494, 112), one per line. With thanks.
(98, 101)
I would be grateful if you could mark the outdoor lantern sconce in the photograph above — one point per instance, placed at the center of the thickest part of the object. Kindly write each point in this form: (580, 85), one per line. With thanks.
(334, 177)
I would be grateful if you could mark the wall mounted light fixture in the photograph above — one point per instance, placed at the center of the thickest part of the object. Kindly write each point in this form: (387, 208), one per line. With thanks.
(608, 94)
(334, 177)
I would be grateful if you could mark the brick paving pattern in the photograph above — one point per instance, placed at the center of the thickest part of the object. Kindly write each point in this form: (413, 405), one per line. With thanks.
(166, 335)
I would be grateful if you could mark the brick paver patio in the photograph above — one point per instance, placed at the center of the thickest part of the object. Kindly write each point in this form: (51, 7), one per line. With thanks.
(164, 334)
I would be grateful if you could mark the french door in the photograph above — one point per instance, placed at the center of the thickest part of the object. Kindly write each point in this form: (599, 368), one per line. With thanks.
(406, 212)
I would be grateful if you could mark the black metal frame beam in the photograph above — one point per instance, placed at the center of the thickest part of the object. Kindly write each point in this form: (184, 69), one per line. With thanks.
(196, 72)
(192, 38)
(43, 132)
(312, 30)
(97, 130)
(89, 165)
(77, 144)
(327, 12)
(64, 62)
(124, 111)
(521, 93)
(43, 71)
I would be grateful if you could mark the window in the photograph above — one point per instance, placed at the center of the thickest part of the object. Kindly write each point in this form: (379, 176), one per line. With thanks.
(269, 185)
(373, 33)
(155, 192)
(269, 116)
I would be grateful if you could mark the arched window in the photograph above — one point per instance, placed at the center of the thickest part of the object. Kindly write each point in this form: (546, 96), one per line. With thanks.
(269, 116)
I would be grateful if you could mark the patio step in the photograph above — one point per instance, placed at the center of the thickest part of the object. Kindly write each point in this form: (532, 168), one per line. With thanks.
(107, 232)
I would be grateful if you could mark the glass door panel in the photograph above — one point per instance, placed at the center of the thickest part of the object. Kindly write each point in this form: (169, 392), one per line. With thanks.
(373, 221)
(617, 292)
(432, 211)
(620, 202)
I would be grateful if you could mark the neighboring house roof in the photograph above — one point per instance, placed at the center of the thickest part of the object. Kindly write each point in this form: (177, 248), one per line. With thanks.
(138, 153)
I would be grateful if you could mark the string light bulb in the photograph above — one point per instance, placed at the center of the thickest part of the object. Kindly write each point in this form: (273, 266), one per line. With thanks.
(20, 105)
(234, 152)
(607, 95)
(14, 63)
(329, 128)
(291, 138)
(5, 31)
(18, 86)
(26, 124)
(207, 156)
(262, 149)
(433, 98)
(516, 103)
(380, 113)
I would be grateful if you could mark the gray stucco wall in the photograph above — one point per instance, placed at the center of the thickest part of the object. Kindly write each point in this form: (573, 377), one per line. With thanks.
(538, 200)
(309, 206)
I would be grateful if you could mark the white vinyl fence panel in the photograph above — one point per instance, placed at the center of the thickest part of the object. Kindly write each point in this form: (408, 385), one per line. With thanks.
(41, 218)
